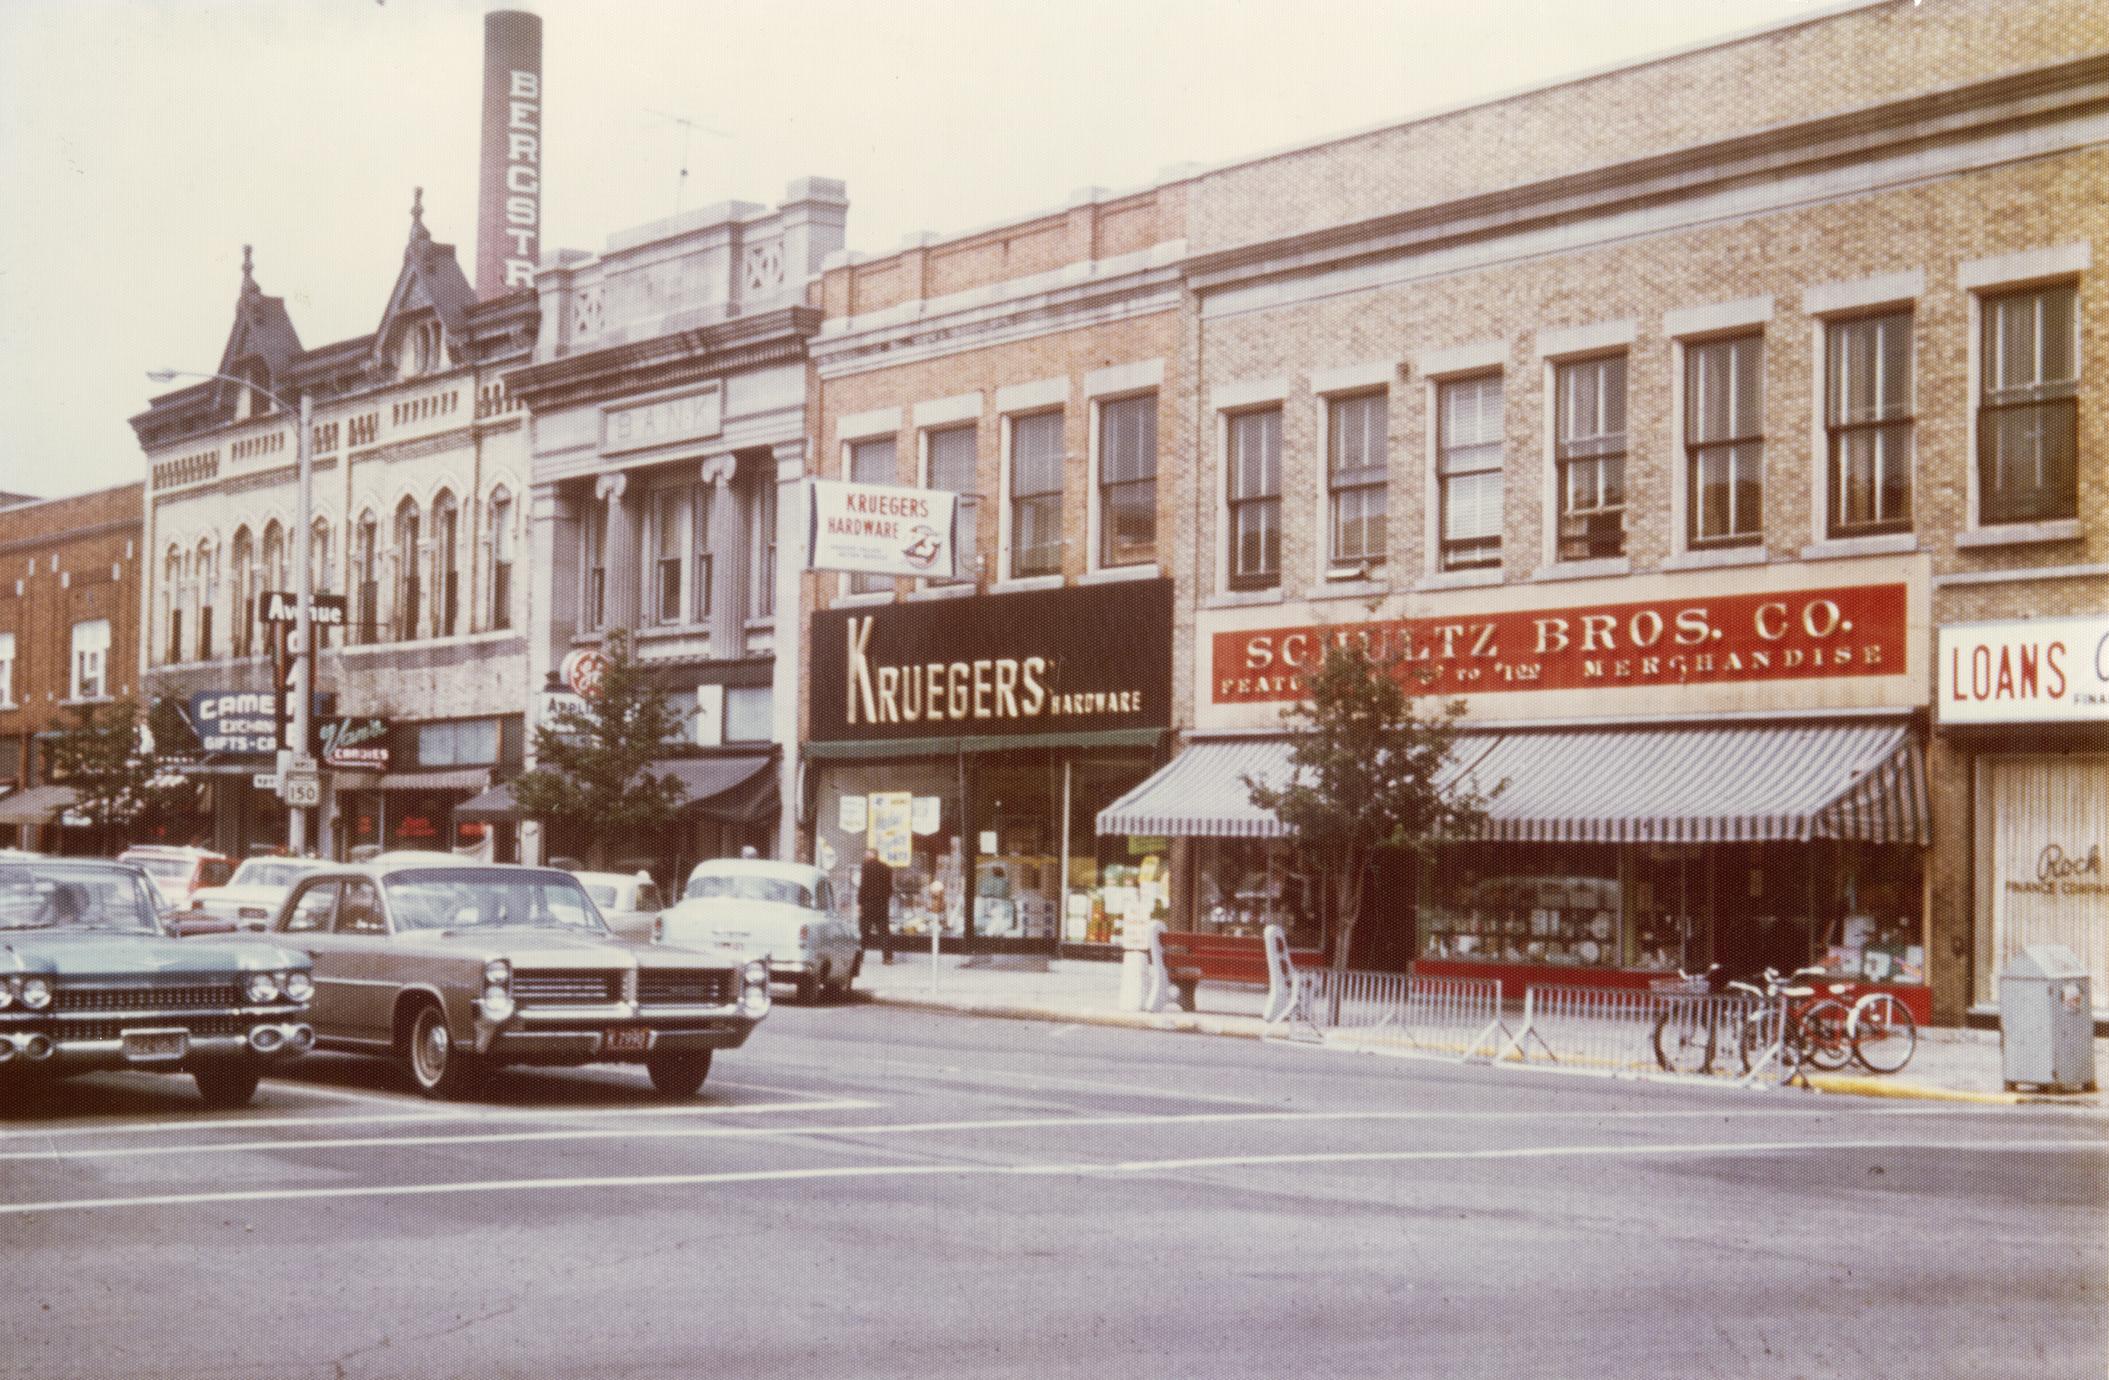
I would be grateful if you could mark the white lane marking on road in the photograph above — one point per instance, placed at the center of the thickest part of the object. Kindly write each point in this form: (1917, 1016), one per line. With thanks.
(463, 1115)
(1054, 1168)
(954, 1073)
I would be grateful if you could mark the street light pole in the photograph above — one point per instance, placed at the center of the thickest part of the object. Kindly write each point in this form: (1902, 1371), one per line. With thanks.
(304, 622)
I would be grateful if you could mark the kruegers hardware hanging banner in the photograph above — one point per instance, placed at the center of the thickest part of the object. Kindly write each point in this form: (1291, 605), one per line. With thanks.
(882, 529)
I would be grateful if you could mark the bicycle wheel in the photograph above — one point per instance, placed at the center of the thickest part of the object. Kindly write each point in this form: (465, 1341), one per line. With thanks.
(1825, 1036)
(1884, 1033)
(1761, 1037)
(1684, 1038)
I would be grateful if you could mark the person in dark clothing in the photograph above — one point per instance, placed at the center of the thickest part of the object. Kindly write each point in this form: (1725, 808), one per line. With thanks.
(875, 903)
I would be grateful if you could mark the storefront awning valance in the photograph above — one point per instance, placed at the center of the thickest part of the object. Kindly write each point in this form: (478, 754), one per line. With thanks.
(455, 779)
(494, 806)
(1749, 783)
(36, 805)
(736, 789)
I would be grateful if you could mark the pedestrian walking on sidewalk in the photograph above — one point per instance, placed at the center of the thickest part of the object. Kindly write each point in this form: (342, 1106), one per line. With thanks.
(875, 903)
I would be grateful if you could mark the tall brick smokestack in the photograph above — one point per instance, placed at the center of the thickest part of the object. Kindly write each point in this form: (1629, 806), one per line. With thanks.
(509, 206)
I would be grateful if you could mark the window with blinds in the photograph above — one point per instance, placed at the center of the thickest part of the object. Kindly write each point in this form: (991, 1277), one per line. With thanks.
(1468, 471)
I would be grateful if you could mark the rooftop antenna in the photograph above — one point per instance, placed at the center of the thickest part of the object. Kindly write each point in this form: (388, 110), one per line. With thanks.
(688, 127)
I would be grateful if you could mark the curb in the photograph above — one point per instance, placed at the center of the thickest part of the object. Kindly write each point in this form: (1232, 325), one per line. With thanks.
(1172, 1025)
(1850, 1086)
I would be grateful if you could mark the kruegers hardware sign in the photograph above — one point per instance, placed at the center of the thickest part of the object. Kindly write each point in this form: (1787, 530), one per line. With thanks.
(1804, 634)
(1074, 660)
(2033, 670)
(881, 529)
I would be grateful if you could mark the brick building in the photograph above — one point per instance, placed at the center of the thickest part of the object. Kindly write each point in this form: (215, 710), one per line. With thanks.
(1034, 369)
(420, 469)
(69, 636)
(1668, 431)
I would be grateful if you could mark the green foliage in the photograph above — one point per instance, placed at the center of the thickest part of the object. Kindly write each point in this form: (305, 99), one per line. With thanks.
(1370, 773)
(119, 785)
(592, 764)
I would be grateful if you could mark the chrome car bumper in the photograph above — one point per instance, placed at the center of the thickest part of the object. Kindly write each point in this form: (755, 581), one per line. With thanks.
(150, 1047)
(585, 1034)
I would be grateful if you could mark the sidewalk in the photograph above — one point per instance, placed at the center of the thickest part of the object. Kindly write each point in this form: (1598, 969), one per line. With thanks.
(1951, 1064)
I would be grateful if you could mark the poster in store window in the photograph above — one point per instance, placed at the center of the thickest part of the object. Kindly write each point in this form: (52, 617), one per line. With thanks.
(889, 829)
(853, 814)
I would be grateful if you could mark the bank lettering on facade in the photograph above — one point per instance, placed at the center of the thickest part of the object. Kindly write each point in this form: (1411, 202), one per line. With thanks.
(1850, 631)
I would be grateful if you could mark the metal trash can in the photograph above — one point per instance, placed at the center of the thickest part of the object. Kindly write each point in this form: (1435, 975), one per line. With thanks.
(2046, 1021)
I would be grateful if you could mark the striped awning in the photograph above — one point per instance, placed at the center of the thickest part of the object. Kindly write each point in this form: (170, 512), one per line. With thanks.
(37, 804)
(1749, 783)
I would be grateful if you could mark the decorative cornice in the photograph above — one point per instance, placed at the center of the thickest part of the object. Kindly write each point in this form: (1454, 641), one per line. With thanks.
(665, 361)
(2034, 97)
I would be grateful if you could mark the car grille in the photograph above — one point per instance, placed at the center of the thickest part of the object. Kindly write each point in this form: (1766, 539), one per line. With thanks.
(679, 987)
(558, 989)
(198, 1026)
(66, 999)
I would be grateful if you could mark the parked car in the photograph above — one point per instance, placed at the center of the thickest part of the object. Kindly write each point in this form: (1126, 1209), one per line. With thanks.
(248, 900)
(180, 872)
(629, 901)
(784, 912)
(89, 980)
(459, 967)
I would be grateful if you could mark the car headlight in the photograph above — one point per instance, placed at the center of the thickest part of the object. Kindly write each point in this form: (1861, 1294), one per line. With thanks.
(7, 993)
(497, 973)
(298, 986)
(754, 998)
(261, 987)
(36, 993)
(497, 998)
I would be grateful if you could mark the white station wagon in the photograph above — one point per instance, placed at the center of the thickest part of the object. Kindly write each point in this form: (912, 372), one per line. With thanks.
(785, 912)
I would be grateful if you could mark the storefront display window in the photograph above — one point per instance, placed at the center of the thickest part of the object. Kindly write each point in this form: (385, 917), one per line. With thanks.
(1525, 903)
(1245, 885)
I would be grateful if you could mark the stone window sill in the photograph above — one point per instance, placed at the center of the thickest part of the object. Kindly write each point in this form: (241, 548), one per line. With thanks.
(1716, 558)
(2021, 533)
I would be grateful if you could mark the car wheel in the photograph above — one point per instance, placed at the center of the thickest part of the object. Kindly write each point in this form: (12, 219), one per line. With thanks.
(228, 1083)
(440, 1070)
(679, 1075)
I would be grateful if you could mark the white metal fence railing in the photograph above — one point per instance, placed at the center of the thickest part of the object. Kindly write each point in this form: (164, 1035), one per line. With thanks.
(1447, 1015)
(1610, 1029)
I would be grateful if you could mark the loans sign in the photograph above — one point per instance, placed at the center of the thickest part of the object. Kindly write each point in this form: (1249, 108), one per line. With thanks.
(2025, 670)
(1805, 634)
(882, 529)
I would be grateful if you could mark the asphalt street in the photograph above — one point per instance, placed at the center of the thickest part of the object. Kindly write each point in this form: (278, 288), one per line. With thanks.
(867, 1191)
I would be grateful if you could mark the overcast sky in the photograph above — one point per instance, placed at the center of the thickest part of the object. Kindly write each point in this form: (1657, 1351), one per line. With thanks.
(144, 142)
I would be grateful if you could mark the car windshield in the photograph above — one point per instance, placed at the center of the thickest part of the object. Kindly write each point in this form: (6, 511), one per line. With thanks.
(267, 874)
(602, 895)
(457, 898)
(43, 896)
(748, 887)
(171, 868)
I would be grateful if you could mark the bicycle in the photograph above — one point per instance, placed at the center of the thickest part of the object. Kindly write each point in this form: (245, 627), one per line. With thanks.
(1783, 1023)
(1881, 1032)
(1688, 1028)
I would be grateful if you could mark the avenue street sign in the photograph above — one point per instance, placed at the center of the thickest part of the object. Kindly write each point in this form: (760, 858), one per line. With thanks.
(279, 606)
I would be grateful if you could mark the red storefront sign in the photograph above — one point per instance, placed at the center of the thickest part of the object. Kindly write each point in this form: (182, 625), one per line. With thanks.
(1809, 634)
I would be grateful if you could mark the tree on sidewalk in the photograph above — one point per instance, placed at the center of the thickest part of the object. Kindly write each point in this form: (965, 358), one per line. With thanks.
(121, 785)
(592, 762)
(1370, 773)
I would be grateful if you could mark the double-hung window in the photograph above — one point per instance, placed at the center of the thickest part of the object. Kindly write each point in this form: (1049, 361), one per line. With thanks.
(366, 566)
(594, 610)
(7, 670)
(1357, 480)
(1036, 495)
(1867, 415)
(1127, 481)
(951, 468)
(873, 462)
(701, 567)
(172, 592)
(409, 591)
(761, 510)
(1254, 491)
(670, 555)
(91, 656)
(2028, 406)
(1724, 440)
(501, 513)
(1468, 471)
(208, 575)
(1589, 453)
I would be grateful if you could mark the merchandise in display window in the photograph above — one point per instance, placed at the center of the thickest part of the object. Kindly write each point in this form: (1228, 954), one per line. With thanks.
(1246, 885)
(1525, 904)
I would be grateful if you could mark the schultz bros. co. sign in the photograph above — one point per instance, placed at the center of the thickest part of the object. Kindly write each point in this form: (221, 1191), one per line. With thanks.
(1854, 631)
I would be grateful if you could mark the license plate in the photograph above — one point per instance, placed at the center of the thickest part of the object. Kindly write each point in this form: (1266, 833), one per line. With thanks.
(626, 1040)
(156, 1044)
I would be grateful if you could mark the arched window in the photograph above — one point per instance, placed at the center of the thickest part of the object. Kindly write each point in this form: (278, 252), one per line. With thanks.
(501, 558)
(446, 564)
(207, 570)
(172, 600)
(275, 567)
(243, 611)
(408, 591)
(366, 578)
(320, 571)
